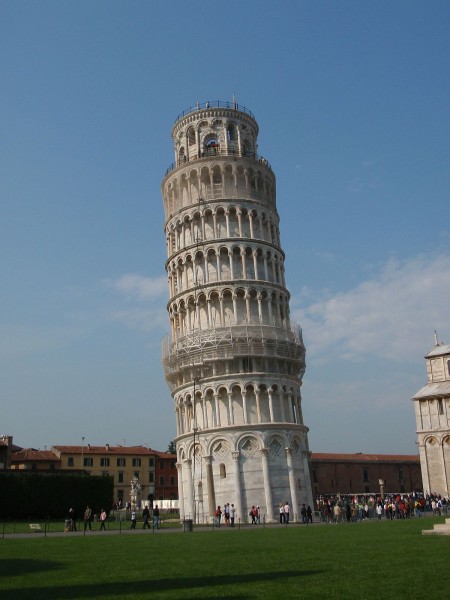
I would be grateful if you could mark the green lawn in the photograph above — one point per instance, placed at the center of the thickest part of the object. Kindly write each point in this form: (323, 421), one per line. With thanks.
(387, 560)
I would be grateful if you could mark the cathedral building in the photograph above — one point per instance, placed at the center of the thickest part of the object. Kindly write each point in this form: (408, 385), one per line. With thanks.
(432, 406)
(233, 360)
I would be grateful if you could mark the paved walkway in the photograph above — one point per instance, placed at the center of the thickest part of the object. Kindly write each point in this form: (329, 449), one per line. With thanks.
(139, 531)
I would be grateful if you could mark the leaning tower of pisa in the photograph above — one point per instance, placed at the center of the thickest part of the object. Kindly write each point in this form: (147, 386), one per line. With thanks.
(234, 360)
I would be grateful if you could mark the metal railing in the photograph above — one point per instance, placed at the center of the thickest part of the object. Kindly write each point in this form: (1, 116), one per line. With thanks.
(214, 104)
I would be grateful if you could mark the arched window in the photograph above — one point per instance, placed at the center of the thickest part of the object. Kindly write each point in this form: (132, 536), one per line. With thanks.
(232, 133)
(223, 471)
(191, 137)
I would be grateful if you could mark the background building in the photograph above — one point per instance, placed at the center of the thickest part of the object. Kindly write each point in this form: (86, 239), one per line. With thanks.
(234, 361)
(156, 471)
(6, 449)
(361, 473)
(432, 407)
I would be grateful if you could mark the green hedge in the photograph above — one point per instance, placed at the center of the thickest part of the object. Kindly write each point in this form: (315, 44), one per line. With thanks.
(40, 495)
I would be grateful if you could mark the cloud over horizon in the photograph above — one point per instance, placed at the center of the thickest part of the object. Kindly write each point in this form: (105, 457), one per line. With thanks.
(398, 308)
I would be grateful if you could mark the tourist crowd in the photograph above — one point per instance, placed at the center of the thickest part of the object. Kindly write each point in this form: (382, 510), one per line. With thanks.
(353, 508)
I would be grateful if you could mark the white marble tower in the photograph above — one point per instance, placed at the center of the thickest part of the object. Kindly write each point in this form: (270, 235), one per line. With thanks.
(432, 407)
(233, 361)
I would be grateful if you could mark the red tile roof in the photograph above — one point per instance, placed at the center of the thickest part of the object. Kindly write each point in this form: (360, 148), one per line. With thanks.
(114, 450)
(31, 454)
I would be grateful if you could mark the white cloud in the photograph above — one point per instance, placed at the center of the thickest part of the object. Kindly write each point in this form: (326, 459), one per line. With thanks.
(140, 288)
(142, 319)
(390, 316)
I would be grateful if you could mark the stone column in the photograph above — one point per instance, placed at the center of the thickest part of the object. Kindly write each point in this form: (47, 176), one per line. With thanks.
(189, 500)
(292, 483)
(230, 407)
(237, 487)
(239, 216)
(180, 489)
(216, 405)
(309, 496)
(210, 486)
(230, 255)
(269, 392)
(244, 407)
(267, 486)
(258, 405)
(255, 264)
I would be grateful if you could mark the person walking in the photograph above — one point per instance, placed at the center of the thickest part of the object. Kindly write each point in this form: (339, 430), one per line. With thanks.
(156, 517)
(133, 519)
(281, 513)
(145, 516)
(303, 513)
(287, 512)
(103, 517)
(309, 515)
(73, 520)
(87, 518)
(232, 515)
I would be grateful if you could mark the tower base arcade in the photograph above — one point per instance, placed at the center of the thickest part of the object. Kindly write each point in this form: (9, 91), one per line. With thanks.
(258, 467)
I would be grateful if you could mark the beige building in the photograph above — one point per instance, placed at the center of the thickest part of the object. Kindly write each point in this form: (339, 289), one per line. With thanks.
(432, 407)
(155, 470)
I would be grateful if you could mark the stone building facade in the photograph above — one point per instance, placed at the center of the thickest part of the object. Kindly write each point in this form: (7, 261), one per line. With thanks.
(432, 407)
(361, 473)
(234, 361)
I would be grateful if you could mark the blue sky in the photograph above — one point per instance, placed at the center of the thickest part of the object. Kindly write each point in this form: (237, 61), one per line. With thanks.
(352, 100)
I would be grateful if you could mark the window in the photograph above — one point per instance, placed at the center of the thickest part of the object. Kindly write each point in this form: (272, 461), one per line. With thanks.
(448, 366)
(70, 461)
(366, 475)
(151, 462)
(136, 474)
(161, 464)
(172, 481)
(121, 462)
(440, 406)
(314, 473)
(104, 462)
(223, 471)
(161, 481)
(400, 474)
(120, 477)
(88, 462)
(136, 462)
(173, 464)
(151, 477)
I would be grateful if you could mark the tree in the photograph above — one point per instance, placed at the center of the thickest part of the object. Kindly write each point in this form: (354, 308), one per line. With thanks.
(172, 449)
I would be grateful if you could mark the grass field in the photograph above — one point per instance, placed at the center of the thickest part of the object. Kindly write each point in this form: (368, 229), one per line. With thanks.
(386, 560)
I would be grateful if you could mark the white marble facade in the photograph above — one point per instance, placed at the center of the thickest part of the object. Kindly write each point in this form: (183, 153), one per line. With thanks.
(432, 407)
(234, 361)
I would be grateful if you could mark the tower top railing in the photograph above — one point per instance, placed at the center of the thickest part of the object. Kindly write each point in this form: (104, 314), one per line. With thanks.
(214, 104)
